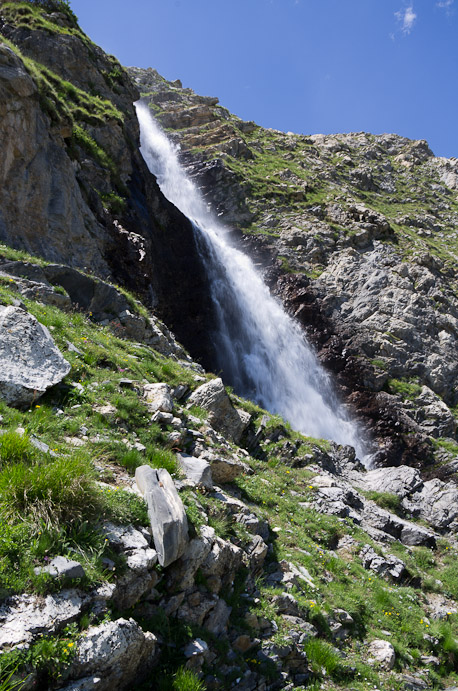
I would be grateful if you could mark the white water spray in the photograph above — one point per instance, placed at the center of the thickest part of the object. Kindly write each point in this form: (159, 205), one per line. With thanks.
(262, 351)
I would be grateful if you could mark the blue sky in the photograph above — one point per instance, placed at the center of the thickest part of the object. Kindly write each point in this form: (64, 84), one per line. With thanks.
(307, 66)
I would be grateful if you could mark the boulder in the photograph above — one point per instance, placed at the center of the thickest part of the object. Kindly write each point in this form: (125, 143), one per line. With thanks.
(196, 469)
(158, 398)
(224, 470)
(383, 565)
(111, 655)
(30, 360)
(382, 652)
(61, 567)
(168, 520)
(212, 396)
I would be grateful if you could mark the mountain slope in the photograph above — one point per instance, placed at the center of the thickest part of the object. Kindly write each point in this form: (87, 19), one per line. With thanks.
(244, 555)
(357, 234)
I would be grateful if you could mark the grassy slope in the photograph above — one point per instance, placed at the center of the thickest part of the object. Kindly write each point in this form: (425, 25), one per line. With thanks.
(49, 503)
(39, 511)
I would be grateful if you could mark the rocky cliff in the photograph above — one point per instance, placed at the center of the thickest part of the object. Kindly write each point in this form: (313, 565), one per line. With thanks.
(157, 531)
(75, 188)
(356, 233)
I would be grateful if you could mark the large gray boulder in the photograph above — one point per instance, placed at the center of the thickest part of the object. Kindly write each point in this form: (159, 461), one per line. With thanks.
(223, 417)
(168, 520)
(111, 656)
(30, 362)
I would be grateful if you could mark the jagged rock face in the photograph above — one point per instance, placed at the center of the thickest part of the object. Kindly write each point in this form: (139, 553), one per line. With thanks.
(94, 206)
(356, 234)
(42, 208)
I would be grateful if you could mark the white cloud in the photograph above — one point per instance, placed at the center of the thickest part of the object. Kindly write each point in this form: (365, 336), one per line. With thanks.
(407, 18)
(445, 4)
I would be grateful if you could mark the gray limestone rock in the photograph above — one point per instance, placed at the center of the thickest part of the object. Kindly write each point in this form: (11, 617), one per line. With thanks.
(383, 565)
(182, 572)
(401, 481)
(61, 567)
(216, 621)
(30, 360)
(158, 398)
(382, 652)
(222, 416)
(196, 469)
(111, 655)
(22, 618)
(436, 502)
(169, 524)
(224, 470)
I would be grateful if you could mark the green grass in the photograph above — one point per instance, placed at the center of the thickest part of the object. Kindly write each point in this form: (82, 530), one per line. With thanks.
(386, 500)
(406, 388)
(322, 656)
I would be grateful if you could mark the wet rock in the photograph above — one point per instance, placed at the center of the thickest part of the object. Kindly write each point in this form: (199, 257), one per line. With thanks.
(31, 362)
(169, 524)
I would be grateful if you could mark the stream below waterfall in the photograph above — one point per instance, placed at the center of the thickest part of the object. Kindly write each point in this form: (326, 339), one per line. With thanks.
(262, 352)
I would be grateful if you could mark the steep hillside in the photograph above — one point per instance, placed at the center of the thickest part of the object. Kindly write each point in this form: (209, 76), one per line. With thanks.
(74, 186)
(266, 560)
(156, 530)
(357, 234)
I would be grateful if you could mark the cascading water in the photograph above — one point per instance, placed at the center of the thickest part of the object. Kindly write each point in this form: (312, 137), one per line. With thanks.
(262, 351)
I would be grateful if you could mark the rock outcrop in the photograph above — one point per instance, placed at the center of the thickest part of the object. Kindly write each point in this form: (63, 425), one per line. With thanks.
(31, 362)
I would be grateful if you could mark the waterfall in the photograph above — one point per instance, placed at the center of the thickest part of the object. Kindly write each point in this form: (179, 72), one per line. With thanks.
(261, 351)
